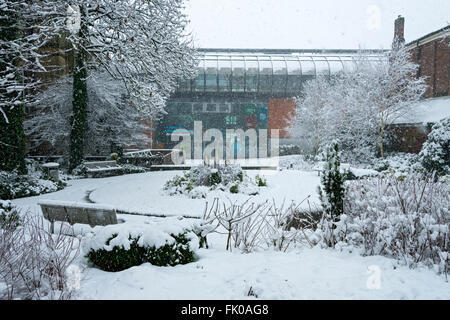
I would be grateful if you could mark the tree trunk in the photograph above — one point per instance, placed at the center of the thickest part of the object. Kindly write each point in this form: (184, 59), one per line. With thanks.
(79, 105)
(12, 136)
(381, 142)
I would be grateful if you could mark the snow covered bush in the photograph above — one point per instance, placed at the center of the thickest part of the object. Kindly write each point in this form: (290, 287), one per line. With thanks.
(81, 171)
(14, 185)
(289, 149)
(332, 191)
(200, 179)
(118, 247)
(9, 216)
(295, 162)
(406, 217)
(260, 181)
(252, 226)
(34, 263)
(398, 163)
(435, 153)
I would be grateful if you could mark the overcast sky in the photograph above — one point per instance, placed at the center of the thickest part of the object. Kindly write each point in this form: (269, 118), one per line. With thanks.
(311, 24)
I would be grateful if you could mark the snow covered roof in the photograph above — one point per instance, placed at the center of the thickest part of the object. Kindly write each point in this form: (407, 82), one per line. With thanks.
(427, 111)
(270, 71)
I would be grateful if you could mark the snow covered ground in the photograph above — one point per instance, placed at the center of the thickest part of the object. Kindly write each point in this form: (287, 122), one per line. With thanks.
(301, 273)
(142, 193)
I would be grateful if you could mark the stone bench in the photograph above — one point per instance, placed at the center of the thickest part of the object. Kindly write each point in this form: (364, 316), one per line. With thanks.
(102, 168)
(77, 212)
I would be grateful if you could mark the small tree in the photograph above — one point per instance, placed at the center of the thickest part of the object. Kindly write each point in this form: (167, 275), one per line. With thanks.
(435, 153)
(391, 90)
(332, 192)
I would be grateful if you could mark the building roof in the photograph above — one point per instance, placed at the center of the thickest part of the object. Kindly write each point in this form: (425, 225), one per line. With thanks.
(427, 111)
(441, 33)
(270, 70)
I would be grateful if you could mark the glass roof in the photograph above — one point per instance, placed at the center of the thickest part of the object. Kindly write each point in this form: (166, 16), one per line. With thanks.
(261, 72)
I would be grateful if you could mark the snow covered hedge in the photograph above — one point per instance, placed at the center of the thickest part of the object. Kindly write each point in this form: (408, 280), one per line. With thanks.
(201, 179)
(82, 171)
(14, 185)
(407, 218)
(400, 163)
(168, 242)
(9, 216)
(435, 153)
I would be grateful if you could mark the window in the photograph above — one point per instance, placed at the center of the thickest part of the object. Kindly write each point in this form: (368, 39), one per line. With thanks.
(251, 80)
(224, 74)
(197, 107)
(211, 75)
(265, 74)
(238, 81)
(224, 107)
(211, 107)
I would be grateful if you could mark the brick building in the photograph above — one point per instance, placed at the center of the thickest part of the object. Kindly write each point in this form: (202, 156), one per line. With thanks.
(432, 53)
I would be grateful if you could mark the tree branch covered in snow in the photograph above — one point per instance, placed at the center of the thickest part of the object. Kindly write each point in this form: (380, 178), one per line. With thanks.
(26, 27)
(357, 107)
(111, 120)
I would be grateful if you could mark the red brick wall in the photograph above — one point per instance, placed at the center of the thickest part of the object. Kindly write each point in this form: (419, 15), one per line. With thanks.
(409, 138)
(281, 111)
(434, 61)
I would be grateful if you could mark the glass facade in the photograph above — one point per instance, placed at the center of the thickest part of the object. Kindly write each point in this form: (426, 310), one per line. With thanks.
(234, 88)
(269, 73)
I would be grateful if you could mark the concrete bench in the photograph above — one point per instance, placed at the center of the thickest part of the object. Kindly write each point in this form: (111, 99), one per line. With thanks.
(77, 212)
(102, 168)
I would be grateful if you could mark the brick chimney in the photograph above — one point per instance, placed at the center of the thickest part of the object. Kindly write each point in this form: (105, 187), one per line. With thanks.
(399, 32)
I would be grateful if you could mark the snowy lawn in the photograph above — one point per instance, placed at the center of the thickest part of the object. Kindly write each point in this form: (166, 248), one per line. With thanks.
(300, 274)
(143, 194)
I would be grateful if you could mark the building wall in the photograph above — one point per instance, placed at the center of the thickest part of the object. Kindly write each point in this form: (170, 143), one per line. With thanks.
(433, 58)
(408, 139)
(281, 112)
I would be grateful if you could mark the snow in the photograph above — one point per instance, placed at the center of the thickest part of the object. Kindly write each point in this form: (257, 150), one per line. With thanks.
(144, 194)
(75, 204)
(51, 165)
(301, 274)
(150, 233)
(427, 111)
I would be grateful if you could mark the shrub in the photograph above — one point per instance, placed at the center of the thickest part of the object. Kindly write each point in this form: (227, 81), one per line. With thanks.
(34, 263)
(250, 226)
(119, 247)
(114, 156)
(289, 149)
(129, 169)
(234, 188)
(399, 163)
(332, 180)
(215, 178)
(435, 153)
(13, 185)
(331, 193)
(260, 182)
(9, 216)
(81, 170)
(200, 179)
(406, 218)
